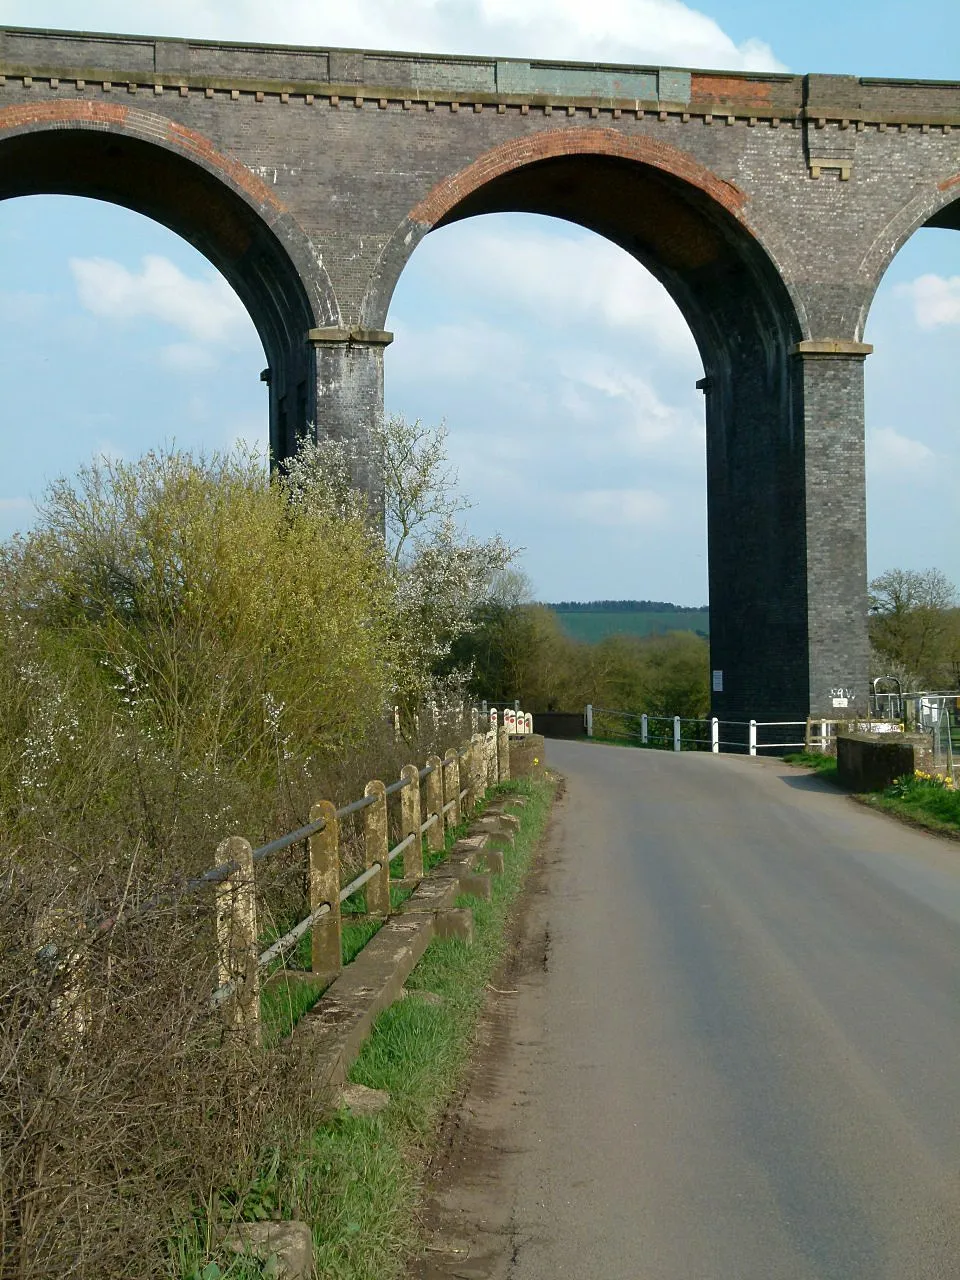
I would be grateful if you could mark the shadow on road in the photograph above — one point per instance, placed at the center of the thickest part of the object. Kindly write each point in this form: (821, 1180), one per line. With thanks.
(811, 782)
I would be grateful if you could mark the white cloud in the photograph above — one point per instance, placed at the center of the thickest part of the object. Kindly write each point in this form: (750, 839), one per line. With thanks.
(637, 31)
(15, 506)
(452, 352)
(890, 452)
(626, 414)
(619, 508)
(936, 300)
(552, 275)
(206, 309)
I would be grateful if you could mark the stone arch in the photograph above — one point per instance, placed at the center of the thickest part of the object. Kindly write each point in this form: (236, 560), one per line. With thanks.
(692, 231)
(157, 167)
(678, 218)
(934, 204)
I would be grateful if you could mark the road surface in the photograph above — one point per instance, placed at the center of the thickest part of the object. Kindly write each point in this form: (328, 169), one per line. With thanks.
(731, 1050)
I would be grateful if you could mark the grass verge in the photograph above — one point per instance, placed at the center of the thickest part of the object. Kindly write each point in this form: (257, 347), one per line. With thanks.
(357, 1179)
(921, 804)
(920, 801)
(825, 766)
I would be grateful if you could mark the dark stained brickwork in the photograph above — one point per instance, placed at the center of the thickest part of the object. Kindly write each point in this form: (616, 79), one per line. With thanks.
(768, 205)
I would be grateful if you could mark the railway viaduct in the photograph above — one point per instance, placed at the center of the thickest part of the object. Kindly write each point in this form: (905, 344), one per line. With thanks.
(769, 206)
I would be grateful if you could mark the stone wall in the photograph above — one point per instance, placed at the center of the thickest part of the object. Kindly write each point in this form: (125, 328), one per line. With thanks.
(870, 762)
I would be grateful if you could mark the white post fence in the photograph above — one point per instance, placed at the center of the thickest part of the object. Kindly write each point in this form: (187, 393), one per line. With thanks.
(709, 733)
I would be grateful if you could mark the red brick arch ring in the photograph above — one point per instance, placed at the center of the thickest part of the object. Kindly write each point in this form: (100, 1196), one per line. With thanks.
(520, 152)
(184, 182)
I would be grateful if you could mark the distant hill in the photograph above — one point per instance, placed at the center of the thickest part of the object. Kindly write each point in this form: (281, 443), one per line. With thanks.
(593, 620)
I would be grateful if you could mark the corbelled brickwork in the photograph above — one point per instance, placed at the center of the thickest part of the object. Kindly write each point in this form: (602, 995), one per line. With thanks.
(768, 205)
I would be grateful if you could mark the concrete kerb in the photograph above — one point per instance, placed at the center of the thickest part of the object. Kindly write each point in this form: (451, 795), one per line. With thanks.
(333, 1031)
(501, 826)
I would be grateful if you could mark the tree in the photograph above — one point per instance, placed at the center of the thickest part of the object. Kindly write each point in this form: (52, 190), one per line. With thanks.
(439, 576)
(913, 626)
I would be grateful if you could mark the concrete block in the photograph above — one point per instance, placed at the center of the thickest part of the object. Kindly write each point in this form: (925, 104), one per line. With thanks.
(527, 756)
(492, 819)
(361, 1101)
(456, 923)
(493, 862)
(477, 885)
(497, 829)
(287, 1245)
(869, 762)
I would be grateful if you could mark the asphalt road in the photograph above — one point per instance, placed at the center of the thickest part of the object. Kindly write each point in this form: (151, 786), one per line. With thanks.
(741, 1060)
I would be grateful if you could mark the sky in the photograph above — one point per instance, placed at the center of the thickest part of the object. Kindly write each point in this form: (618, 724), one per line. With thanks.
(583, 444)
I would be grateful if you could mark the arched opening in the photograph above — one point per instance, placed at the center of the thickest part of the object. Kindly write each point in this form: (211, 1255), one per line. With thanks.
(567, 377)
(912, 388)
(690, 231)
(175, 177)
(116, 336)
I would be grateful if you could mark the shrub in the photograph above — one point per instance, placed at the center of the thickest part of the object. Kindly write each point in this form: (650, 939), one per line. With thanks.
(188, 649)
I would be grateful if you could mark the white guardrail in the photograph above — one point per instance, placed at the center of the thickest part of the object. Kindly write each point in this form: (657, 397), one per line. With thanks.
(813, 735)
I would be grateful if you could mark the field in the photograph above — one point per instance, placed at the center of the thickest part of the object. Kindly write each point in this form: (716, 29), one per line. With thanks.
(594, 625)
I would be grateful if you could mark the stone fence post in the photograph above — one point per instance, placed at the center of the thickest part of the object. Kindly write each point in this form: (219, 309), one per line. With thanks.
(410, 823)
(451, 787)
(503, 753)
(326, 951)
(376, 850)
(433, 792)
(236, 906)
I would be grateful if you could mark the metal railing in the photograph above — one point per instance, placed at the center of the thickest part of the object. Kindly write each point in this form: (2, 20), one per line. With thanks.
(707, 733)
(431, 800)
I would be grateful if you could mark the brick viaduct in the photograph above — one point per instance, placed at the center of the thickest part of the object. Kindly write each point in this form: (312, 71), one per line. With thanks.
(769, 206)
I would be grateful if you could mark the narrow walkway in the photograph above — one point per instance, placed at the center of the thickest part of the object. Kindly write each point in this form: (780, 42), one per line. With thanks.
(731, 1051)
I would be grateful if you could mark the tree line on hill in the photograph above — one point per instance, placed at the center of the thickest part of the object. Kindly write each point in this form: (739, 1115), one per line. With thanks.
(624, 606)
(518, 649)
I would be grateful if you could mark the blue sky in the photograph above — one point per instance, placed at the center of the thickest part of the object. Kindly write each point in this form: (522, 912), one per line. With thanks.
(117, 336)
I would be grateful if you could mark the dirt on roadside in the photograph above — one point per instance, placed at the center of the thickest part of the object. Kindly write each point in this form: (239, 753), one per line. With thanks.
(467, 1224)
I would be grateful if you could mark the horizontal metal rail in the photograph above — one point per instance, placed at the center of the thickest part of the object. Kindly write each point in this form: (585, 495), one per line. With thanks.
(359, 881)
(218, 874)
(293, 837)
(404, 844)
(277, 949)
(289, 939)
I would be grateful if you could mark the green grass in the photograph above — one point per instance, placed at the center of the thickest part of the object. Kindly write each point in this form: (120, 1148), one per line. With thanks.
(357, 1180)
(921, 803)
(824, 765)
(594, 625)
(282, 1005)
